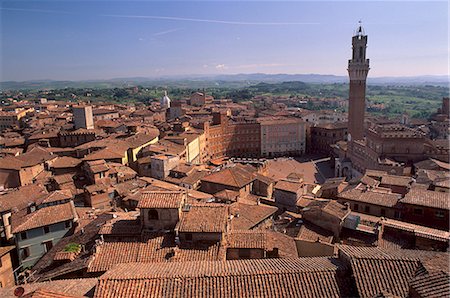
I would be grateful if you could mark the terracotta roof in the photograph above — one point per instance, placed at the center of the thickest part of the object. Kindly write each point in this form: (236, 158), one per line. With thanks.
(420, 231)
(280, 168)
(289, 186)
(311, 232)
(376, 270)
(227, 195)
(44, 217)
(141, 139)
(55, 196)
(105, 153)
(330, 207)
(308, 277)
(208, 218)
(370, 197)
(369, 181)
(81, 287)
(334, 208)
(265, 179)
(35, 156)
(427, 198)
(287, 248)
(247, 216)
(247, 239)
(396, 180)
(434, 284)
(237, 176)
(65, 162)
(21, 197)
(97, 166)
(161, 199)
(158, 249)
(64, 178)
(331, 183)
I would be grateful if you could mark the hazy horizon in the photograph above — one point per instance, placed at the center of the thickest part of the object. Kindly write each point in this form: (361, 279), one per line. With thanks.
(76, 41)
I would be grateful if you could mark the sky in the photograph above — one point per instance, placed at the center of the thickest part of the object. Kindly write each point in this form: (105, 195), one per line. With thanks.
(83, 40)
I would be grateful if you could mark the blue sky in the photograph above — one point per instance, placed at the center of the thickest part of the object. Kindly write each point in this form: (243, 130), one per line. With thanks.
(79, 40)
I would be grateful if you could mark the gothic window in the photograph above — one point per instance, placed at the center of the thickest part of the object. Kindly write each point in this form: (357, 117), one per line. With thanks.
(153, 214)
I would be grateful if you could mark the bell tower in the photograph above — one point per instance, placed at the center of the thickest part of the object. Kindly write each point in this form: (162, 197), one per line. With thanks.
(358, 68)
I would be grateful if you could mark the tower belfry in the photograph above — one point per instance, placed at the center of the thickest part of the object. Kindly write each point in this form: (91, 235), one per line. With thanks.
(358, 68)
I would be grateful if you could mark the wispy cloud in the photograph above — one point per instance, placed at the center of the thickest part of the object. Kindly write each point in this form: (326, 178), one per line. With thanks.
(37, 10)
(167, 31)
(169, 18)
(221, 67)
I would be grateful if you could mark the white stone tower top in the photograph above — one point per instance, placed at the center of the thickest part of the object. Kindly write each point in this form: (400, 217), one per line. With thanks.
(165, 100)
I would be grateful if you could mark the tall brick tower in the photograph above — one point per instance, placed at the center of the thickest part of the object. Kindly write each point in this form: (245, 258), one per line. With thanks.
(358, 68)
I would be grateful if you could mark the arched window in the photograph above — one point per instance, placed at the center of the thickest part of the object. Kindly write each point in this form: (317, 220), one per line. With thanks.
(153, 214)
(360, 52)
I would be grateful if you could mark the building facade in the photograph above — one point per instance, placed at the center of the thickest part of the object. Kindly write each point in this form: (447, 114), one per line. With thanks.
(83, 117)
(282, 136)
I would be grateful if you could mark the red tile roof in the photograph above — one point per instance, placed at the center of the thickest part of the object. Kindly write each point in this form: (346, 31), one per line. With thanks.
(247, 239)
(247, 216)
(70, 287)
(311, 277)
(44, 217)
(208, 218)
(370, 197)
(162, 199)
(311, 232)
(289, 186)
(427, 198)
(155, 250)
(434, 284)
(420, 231)
(65, 162)
(21, 197)
(376, 270)
(237, 176)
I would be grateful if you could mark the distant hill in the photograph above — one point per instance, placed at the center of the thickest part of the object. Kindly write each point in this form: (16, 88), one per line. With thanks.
(231, 81)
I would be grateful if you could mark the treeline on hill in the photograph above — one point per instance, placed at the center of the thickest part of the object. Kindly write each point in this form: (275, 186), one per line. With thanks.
(418, 100)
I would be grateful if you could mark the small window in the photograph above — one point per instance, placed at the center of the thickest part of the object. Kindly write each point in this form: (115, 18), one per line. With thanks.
(153, 214)
(67, 223)
(24, 253)
(383, 212)
(440, 214)
(46, 229)
(47, 245)
(244, 253)
(355, 207)
(23, 235)
(188, 237)
(367, 209)
(418, 211)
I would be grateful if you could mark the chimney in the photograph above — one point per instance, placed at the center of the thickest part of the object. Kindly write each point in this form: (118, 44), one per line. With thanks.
(347, 205)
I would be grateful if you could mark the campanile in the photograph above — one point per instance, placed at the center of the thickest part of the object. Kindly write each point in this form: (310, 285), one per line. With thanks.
(358, 68)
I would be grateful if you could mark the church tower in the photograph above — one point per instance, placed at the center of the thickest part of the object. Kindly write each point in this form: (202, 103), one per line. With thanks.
(358, 68)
